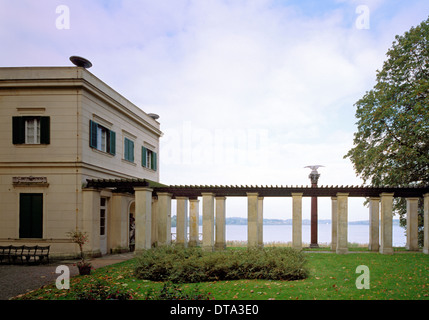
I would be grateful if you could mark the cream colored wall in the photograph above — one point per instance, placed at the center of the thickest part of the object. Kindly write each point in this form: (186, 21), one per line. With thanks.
(116, 166)
(70, 97)
(60, 105)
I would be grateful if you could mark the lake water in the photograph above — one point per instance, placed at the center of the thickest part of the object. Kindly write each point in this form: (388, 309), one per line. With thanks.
(283, 233)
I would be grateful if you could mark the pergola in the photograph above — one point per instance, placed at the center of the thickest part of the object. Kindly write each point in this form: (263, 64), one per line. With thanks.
(153, 207)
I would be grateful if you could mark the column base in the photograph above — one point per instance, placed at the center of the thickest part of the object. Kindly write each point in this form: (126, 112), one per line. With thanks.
(426, 250)
(207, 248)
(193, 243)
(342, 250)
(375, 248)
(386, 250)
(220, 246)
(314, 245)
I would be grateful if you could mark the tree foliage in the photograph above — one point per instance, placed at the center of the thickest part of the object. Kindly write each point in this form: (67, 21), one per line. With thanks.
(391, 145)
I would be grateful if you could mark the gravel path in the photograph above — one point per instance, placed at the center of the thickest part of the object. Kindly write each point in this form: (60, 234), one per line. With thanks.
(19, 279)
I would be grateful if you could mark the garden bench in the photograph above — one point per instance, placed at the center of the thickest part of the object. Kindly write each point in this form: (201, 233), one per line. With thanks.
(4, 253)
(28, 253)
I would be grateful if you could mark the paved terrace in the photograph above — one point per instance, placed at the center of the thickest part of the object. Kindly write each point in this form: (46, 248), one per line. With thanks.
(153, 211)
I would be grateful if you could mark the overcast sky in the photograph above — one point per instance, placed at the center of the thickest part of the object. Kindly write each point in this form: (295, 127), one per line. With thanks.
(248, 92)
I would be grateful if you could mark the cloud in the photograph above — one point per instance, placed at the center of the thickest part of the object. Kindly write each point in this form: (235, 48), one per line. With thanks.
(247, 91)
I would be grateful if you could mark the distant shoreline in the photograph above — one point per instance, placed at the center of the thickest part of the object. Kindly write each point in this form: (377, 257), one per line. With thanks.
(243, 221)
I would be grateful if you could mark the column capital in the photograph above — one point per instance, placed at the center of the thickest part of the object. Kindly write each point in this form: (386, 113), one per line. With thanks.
(413, 199)
(209, 194)
(143, 189)
(386, 194)
(220, 197)
(252, 194)
(164, 194)
(297, 194)
(182, 198)
(342, 194)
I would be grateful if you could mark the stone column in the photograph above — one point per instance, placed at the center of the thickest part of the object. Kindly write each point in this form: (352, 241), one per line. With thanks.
(386, 223)
(261, 222)
(334, 221)
(297, 221)
(208, 221)
(154, 232)
(342, 211)
(412, 224)
(220, 239)
(91, 220)
(182, 221)
(194, 222)
(374, 224)
(143, 218)
(252, 219)
(164, 218)
(426, 224)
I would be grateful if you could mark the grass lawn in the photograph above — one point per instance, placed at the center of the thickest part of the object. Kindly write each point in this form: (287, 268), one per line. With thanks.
(402, 276)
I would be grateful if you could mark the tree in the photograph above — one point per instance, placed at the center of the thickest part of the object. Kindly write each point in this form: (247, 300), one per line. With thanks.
(391, 145)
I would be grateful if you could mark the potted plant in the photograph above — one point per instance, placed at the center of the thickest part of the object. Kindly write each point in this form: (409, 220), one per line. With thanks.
(81, 238)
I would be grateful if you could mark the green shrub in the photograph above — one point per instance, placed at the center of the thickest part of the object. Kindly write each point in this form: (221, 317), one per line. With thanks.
(172, 291)
(100, 289)
(180, 265)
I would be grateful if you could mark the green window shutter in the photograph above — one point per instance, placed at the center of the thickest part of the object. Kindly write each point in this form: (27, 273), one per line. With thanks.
(126, 149)
(112, 145)
(131, 150)
(18, 130)
(92, 134)
(45, 129)
(153, 161)
(144, 152)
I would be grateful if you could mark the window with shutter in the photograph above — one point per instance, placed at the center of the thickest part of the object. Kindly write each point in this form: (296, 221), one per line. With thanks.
(149, 159)
(31, 130)
(101, 138)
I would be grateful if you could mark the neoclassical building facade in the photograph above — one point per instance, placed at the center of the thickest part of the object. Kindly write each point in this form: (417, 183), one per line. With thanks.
(61, 126)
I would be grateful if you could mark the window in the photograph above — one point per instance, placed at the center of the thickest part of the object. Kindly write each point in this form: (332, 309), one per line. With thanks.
(103, 209)
(149, 159)
(31, 130)
(128, 150)
(101, 138)
(31, 215)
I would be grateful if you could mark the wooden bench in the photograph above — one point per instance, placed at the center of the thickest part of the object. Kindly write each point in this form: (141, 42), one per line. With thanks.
(29, 254)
